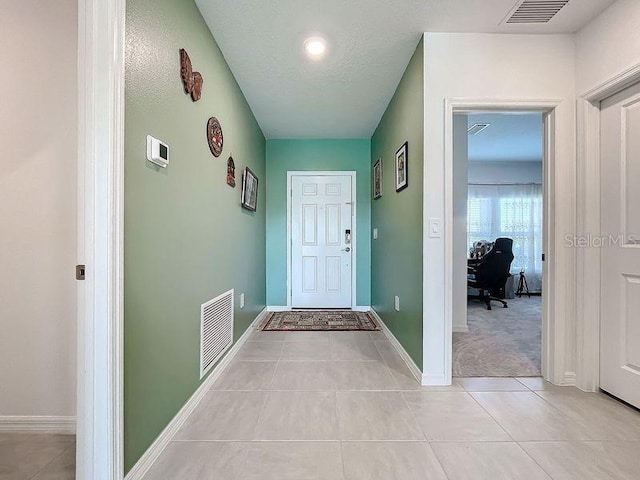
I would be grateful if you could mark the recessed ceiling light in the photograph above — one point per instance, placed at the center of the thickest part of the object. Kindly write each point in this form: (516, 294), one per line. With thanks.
(315, 47)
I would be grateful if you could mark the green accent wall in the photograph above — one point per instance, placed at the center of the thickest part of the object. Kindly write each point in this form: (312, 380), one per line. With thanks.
(316, 155)
(187, 239)
(396, 256)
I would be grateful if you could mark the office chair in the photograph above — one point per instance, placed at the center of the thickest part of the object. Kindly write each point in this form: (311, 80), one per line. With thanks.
(491, 274)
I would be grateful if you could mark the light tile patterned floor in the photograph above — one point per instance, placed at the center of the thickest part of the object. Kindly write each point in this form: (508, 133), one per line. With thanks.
(343, 405)
(28, 456)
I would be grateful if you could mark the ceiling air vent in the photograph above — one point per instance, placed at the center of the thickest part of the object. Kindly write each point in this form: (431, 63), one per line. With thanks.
(535, 11)
(477, 128)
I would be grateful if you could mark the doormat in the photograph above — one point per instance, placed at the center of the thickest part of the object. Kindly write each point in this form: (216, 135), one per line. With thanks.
(320, 320)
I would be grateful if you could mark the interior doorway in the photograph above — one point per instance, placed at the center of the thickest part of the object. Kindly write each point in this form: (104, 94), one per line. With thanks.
(321, 239)
(498, 241)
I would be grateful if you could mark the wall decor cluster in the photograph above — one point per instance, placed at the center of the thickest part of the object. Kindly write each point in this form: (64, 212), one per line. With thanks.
(214, 136)
(192, 81)
(231, 173)
(249, 190)
(377, 179)
(402, 167)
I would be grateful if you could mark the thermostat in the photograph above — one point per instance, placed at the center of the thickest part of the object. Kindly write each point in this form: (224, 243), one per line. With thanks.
(157, 152)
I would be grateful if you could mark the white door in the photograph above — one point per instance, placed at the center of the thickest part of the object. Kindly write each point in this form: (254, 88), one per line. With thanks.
(620, 260)
(321, 241)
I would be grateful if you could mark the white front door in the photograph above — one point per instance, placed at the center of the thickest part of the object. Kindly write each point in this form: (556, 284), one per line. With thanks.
(620, 259)
(321, 241)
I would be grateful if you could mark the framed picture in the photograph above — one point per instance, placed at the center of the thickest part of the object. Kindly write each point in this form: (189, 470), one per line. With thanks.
(402, 167)
(377, 179)
(249, 190)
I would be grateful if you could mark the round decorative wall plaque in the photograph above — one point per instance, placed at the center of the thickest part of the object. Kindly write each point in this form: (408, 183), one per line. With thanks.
(214, 136)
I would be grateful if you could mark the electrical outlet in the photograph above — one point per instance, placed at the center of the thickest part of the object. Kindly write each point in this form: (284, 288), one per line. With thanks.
(375, 233)
(397, 303)
(242, 300)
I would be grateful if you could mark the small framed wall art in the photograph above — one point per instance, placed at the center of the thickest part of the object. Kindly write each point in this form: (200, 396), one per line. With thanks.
(231, 173)
(249, 190)
(377, 179)
(402, 167)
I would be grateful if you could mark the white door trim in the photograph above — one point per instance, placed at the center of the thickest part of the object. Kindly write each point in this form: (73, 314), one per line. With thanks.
(101, 30)
(354, 237)
(553, 327)
(588, 223)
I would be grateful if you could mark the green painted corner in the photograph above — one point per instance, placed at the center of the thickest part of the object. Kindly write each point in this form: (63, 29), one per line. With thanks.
(186, 237)
(396, 256)
(316, 155)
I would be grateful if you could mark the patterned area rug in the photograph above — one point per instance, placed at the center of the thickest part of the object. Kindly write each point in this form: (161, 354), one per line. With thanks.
(320, 320)
(503, 342)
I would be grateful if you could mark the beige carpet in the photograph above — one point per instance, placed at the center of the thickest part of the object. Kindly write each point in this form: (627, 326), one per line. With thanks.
(503, 342)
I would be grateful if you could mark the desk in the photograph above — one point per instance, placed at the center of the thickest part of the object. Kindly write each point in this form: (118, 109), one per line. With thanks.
(472, 263)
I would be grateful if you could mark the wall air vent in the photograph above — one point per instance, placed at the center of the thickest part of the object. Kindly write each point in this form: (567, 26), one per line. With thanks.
(477, 128)
(534, 11)
(216, 330)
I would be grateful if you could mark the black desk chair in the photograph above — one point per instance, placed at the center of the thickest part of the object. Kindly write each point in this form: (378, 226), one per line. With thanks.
(491, 274)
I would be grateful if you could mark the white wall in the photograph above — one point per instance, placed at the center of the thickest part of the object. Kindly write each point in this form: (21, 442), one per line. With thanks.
(608, 45)
(498, 67)
(505, 172)
(38, 102)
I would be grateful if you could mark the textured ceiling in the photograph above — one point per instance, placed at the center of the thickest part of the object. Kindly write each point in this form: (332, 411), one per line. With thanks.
(370, 43)
(510, 137)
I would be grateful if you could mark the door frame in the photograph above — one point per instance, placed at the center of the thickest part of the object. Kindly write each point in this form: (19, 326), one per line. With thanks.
(588, 223)
(354, 221)
(553, 329)
(101, 70)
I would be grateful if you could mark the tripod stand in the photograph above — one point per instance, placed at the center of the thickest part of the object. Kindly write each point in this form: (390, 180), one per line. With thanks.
(523, 287)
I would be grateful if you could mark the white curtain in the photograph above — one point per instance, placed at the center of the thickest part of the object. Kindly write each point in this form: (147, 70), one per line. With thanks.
(512, 211)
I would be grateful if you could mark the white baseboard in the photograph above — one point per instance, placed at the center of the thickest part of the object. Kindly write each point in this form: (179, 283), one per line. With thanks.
(278, 308)
(38, 424)
(145, 462)
(285, 308)
(430, 379)
(361, 308)
(460, 328)
(415, 371)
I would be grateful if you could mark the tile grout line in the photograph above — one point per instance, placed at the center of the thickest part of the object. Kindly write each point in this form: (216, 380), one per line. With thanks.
(266, 395)
(534, 460)
(489, 414)
(51, 462)
(406, 404)
(387, 366)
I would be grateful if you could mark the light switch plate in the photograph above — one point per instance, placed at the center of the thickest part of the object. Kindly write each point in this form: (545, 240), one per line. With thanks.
(397, 303)
(375, 233)
(242, 300)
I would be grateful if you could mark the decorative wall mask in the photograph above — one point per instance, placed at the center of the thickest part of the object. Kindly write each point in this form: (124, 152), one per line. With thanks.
(192, 81)
(214, 136)
(231, 173)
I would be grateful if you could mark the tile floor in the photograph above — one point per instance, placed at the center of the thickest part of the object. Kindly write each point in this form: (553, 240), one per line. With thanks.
(343, 405)
(28, 456)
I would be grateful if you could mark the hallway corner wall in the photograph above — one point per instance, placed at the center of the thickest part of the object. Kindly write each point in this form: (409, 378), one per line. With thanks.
(396, 256)
(187, 239)
(315, 155)
(491, 67)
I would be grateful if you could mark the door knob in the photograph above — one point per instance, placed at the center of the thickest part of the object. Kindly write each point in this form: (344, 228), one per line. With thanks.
(348, 249)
